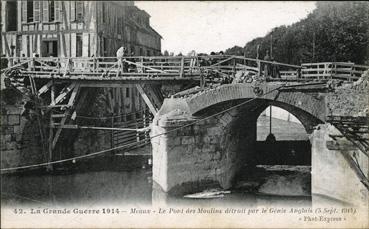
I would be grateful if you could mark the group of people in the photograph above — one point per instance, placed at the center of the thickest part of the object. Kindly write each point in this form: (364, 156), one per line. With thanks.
(270, 69)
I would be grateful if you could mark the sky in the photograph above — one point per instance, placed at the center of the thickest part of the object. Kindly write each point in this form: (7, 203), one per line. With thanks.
(206, 26)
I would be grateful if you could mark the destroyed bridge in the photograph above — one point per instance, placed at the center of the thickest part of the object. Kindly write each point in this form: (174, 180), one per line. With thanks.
(205, 123)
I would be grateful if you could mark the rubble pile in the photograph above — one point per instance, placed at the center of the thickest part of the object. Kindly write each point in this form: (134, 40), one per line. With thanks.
(350, 99)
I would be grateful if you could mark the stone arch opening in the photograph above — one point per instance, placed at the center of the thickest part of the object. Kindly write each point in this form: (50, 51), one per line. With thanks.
(247, 156)
(281, 139)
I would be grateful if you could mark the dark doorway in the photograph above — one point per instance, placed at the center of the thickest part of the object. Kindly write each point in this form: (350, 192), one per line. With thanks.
(79, 45)
(11, 16)
(50, 48)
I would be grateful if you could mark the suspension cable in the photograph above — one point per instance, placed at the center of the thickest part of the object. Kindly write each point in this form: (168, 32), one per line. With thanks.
(134, 143)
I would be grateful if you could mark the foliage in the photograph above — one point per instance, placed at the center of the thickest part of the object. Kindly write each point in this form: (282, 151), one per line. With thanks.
(334, 31)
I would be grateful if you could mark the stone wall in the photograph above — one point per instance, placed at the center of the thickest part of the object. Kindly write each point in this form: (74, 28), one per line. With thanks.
(206, 154)
(21, 142)
(332, 175)
(20, 138)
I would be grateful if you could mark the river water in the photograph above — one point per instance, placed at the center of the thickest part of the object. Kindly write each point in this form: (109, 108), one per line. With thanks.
(126, 180)
(268, 185)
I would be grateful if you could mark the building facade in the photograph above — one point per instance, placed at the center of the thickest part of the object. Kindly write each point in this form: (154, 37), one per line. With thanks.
(81, 29)
(76, 29)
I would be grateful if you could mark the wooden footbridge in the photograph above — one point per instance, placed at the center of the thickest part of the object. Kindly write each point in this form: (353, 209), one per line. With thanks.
(59, 80)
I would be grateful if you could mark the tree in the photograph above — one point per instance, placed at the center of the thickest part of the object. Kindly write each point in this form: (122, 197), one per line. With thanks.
(334, 31)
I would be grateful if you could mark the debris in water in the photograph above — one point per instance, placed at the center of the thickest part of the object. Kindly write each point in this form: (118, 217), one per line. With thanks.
(208, 194)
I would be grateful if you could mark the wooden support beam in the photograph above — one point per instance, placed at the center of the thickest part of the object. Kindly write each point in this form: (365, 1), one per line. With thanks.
(334, 145)
(146, 99)
(71, 104)
(66, 90)
(45, 88)
(74, 94)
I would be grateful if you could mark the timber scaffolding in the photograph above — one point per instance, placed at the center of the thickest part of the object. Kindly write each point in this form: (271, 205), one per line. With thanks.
(89, 70)
(60, 80)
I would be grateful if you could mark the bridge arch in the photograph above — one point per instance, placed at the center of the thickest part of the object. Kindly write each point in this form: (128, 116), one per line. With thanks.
(292, 101)
(216, 148)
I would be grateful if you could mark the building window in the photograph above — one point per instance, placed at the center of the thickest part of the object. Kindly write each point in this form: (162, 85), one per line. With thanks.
(50, 48)
(29, 11)
(78, 44)
(79, 10)
(105, 43)
(127, 92)
(51, 11)
(103, 12)
(76, 10)
(11, 16)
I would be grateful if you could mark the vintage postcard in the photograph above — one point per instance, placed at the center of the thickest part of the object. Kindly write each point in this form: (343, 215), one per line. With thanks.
(198, 114)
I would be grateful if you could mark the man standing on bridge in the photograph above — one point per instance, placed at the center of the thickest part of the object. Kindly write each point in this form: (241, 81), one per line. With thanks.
(267, 65)
(120, 54)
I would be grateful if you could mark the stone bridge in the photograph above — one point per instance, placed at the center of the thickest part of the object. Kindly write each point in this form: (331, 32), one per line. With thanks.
(218, 141)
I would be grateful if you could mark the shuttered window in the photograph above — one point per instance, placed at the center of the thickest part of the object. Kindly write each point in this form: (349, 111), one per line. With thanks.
(30, 11)
(51, 10)
(57, 6)
(79, 10)
(36, 10)
(24, 11)
(45, 11)
(72, 11)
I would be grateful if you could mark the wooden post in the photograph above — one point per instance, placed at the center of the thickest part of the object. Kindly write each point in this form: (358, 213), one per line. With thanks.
(144, 124)
(270, 119)
(259, 68)
(112, 132)
(142, 64)
(182, 67)
(234, 68)
(50, 142)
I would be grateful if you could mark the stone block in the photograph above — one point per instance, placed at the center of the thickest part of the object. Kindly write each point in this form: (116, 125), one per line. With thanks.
(186, 140)
(186, 131)
(211, 139)
(14, 110)
(7, 129)
(4, 120)
(197, 129)
(17, 129)
(7, 137)
(208, 148)
(174, 141)
(11, 145)
(13, 119)
(214, 131)
(217, 156)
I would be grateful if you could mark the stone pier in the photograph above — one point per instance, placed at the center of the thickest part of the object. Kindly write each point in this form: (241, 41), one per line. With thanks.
(206, 154)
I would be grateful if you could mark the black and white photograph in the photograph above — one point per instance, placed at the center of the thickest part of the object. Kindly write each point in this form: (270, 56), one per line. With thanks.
(184, 114)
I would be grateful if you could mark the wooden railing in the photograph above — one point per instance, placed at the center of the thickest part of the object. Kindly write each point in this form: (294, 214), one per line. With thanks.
(218, 66)
(120, 138)
(333, 70)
